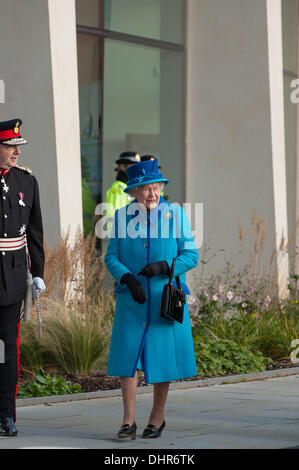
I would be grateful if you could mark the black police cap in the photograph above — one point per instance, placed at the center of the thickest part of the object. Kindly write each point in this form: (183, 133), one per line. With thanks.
(128, 157)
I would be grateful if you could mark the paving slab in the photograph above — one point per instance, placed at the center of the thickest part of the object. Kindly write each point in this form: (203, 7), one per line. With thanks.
(262, 414)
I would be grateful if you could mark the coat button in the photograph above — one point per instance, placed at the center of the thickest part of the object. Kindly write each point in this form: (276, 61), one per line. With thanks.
(5, 216)
(145, 324)
(3, 253)
(145, 245)
(5, 234)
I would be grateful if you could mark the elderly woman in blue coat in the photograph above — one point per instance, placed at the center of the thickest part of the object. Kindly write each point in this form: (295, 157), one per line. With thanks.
(146, 236)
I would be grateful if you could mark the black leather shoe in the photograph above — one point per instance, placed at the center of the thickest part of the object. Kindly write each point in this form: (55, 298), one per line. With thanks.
(152, 431)
(127, 431)
(8, 427)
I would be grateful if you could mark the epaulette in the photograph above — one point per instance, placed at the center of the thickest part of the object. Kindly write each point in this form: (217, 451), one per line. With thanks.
(24, 168)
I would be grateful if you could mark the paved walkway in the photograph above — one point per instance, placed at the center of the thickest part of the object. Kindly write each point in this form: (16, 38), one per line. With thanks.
(261, 414)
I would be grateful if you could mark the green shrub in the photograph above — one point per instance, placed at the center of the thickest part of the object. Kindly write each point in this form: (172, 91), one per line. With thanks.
(239, 327)
(224, 356)
(276, 331)
(270, 331)
(33, 355)
(46, 385)
(77, 311)
(77, 336)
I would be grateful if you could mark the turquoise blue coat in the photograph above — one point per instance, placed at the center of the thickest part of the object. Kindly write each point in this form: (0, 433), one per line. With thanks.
(141, 339)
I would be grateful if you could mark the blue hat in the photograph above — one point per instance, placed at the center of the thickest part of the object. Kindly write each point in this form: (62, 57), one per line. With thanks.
(145, 158)
(144, 173)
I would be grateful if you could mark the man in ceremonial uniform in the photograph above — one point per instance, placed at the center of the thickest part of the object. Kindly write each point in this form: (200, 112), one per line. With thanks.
(21, 246)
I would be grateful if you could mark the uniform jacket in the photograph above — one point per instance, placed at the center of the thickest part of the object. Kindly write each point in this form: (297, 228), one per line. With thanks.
(15, 220)
(141, 339)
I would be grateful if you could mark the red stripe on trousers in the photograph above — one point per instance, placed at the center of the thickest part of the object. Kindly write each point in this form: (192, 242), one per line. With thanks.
(18, 353)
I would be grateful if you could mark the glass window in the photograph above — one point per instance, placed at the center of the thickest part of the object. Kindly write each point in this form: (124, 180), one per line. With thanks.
(90, 100)
(143, 103)
(89, 13)
(138, 88)
(155, 19)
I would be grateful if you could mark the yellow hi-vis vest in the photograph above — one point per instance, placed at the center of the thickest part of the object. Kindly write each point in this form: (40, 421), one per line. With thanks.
(116, 198)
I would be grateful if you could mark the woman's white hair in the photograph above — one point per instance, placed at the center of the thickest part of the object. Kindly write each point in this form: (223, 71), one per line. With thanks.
(132, 191)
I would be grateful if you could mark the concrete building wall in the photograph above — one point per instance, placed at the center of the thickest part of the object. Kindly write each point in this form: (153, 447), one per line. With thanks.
(235, 162)
(38, 59)
(276, 89)
(62, 21)
(228, 135)
(290, 12)
(26, 71)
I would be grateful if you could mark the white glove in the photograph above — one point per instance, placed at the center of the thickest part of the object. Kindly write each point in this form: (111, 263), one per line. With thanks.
(38, 285)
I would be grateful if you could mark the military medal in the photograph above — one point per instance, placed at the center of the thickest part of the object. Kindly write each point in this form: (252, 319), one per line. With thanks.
(5, 187)
(22, 229)
(21, 196)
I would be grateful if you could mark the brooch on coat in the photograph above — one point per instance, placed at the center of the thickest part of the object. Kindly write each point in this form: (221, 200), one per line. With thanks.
(168, 215)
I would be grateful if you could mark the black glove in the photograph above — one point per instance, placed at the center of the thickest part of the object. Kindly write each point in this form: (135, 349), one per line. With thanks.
(152, 269)
(135, 287)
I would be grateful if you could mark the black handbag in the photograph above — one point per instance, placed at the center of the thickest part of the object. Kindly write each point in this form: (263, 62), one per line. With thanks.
(173, 299)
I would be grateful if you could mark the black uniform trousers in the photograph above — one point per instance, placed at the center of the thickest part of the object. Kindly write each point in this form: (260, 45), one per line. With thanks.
(9, 365)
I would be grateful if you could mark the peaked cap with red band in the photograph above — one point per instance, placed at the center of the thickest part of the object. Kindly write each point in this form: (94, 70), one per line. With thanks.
(10, 133)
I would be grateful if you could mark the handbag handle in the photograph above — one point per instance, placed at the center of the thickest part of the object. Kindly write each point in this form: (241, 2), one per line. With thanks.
(171, 272)
(177, 278)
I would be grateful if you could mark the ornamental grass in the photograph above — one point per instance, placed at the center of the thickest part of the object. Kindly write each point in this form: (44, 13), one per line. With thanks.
(76, 310)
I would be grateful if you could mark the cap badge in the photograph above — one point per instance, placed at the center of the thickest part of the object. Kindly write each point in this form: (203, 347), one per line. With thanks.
(16, 129)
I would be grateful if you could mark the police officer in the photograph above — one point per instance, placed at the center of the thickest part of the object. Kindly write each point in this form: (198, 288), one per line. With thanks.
(21, 247)
(115, 195)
